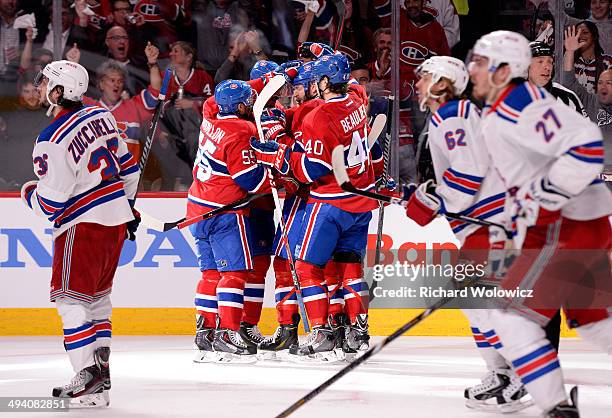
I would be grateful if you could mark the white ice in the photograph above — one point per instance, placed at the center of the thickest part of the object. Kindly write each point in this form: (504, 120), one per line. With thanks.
(412, 377)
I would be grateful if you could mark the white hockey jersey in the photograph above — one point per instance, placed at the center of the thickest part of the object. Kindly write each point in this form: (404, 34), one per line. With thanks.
(467, 184)
(529, 135)
(85, 171)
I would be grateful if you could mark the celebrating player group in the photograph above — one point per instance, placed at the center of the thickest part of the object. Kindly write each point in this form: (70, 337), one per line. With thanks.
(525, 160)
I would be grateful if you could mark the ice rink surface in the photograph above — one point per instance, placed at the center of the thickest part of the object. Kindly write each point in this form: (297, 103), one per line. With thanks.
(413, 377)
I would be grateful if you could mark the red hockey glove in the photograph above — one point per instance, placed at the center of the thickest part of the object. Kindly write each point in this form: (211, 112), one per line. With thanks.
(423, 205)
(273, 128)
(272, 154)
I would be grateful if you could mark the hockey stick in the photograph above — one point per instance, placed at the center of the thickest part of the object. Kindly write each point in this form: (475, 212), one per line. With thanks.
(345, 184)
(268, 91)
(385, 178)
(360, 360)
(375, 130)
(341, 9)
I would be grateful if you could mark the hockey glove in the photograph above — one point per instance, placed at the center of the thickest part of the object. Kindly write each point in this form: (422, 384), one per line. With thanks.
(132, 226)
(424, 204)
(26, 192)
(273, 128)
(272, 154)
(276, 112)
(389, 189)
(288, 69)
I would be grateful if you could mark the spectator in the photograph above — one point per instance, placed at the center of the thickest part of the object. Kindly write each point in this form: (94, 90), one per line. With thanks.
(71, 33)
(380, 66)
(598, 106)
(9, 53)
(120, 49)
(132, 114)
(189, 86)
(442, 10)
(598, 16)
(361, 73)
(356, 37)
(40, 58)
(589, 59)
(23, 123)
(214, 24)
(246, 49)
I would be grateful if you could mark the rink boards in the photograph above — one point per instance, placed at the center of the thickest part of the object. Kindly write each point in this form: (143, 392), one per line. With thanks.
(155, 282)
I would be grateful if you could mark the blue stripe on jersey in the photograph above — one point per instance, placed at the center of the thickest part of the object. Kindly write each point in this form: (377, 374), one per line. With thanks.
(508, 118)
(313, 169)
(48, 132)
(128, 171)
(383, 10)
(94, 203)
(520, 98)
(219, 168)
(252, 179)
(449, 109)
(148, 99)
(79, 120)
(78, 197)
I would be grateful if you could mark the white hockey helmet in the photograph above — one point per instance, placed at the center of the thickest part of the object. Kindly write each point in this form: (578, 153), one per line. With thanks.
(505, 47)
(71, 76)
(448, 67)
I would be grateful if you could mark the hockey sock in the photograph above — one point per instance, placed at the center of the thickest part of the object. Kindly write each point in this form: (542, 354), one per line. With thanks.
(100, 313)
(523, 343)
(206, 297)
(356, 290)
(334, 288)
(485, 338)
(230, 298)
(284, 293)
(599, 333)
(79, 333)
(314, 292)
(254, 289)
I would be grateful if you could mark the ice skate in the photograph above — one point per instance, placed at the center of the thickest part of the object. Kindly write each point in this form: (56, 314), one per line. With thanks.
(204, 344)
(250, 334)
(356, 338)
(230, 348)
(277, 346)
(85, 390)
(566, 411)
(319, 347)
(501, 390)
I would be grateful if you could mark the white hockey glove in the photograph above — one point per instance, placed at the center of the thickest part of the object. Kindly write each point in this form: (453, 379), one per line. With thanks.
(424, 204)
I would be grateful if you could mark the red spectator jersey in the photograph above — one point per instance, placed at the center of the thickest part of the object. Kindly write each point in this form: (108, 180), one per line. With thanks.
(418, 43)
(132, 116)
(225, 168)
(338, 121)
(198, 84)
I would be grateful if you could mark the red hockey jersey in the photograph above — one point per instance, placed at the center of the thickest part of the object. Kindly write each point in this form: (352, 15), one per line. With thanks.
(225, 168)
(338, 121)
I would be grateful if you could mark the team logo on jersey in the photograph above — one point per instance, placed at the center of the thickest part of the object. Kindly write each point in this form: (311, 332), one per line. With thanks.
(414, 53)
(149, 10)
(603, 118)
(233, 86)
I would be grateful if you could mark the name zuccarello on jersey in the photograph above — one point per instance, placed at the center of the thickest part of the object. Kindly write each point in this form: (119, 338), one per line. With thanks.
(93, 130)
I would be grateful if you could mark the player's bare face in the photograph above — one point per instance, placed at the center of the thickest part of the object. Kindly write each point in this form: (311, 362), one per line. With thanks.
(604, 87)
(540, 70)
(299, 94)
(42, 91)
(422, 86)
(478, 69)
(111, 87)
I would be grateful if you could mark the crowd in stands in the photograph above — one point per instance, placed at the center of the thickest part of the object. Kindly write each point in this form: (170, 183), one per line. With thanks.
(127, 44)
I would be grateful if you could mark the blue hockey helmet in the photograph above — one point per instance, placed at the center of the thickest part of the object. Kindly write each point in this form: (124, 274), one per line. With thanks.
(262, 67)
(336, 67)
(304, 76)
(230, 93)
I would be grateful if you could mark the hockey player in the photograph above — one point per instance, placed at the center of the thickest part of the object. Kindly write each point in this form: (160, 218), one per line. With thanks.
(261, 231)
(466, 184)
(549, 159)
(335, 223)
(225, 171)
(306, 96)
(86, 177)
